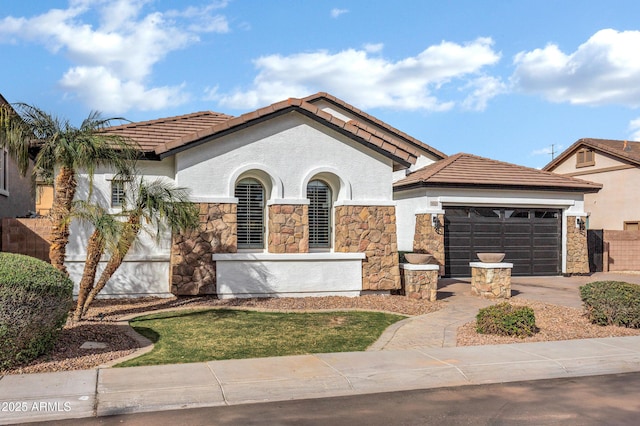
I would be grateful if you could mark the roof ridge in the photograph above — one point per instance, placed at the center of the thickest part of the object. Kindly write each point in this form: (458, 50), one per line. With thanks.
(375, 120)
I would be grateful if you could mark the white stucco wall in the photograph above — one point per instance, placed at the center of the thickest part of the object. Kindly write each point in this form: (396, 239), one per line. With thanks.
(145, 271)
(291, 149)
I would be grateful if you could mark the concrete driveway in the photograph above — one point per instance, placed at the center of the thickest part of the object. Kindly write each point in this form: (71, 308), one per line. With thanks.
(557, 290)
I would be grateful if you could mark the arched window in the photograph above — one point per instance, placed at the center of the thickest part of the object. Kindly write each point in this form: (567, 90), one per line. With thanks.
(250, 194)
(319, 195)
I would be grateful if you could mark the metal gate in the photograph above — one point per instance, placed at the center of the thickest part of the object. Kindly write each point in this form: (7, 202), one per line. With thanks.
(595, 243)
(530, 237)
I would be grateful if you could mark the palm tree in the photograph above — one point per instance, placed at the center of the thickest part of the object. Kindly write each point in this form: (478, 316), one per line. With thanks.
(157, 203)
(64, 150)
(106, 231)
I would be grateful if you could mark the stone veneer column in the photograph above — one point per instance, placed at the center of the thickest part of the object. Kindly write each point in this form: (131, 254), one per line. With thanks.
(491, 280)
(427, 240)
(193, 272)
(577, 249)
(419, 281)
(288, 228)
(370, 230)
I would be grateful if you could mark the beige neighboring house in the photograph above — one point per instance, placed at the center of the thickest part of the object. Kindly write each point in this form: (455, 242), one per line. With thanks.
(616, 165)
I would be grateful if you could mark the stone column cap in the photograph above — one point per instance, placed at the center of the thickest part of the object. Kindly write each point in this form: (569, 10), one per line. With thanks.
(419, 267)
(483, 265)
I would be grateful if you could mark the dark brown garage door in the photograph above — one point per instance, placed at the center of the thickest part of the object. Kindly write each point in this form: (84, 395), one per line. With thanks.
(531, 238)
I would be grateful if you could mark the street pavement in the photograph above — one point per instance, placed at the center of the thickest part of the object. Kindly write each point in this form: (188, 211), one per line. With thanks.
(418, 353)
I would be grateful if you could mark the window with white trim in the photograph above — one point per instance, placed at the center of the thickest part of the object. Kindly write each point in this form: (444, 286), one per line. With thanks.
(319, 195)
(117, 193)
(4, 172)
(250, 214)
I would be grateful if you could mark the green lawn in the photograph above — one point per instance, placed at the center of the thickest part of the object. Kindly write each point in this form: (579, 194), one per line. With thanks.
(215, 334)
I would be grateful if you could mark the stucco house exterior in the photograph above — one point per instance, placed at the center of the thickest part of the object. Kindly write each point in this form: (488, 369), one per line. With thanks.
(615, 164)
(17, 197)
(313, 196)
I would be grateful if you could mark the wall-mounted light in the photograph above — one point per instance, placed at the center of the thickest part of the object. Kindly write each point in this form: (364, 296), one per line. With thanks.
(437, 225)
(580, 223)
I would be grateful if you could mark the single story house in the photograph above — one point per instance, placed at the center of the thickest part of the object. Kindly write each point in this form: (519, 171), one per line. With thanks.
(615, 165)
(313, 196)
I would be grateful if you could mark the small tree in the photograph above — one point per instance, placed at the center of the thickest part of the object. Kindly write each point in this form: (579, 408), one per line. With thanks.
(157, 203)
(106, 232)
(64, 150)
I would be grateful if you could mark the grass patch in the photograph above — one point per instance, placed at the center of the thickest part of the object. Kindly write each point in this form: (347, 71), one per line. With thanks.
(216, 334)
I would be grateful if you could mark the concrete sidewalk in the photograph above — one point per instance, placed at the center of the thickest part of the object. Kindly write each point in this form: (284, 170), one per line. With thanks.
(48, 396)
(417, 353)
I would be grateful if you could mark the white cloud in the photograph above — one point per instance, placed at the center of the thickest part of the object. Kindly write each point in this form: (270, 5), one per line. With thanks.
(603, 70)
(335, 12)
(114, 58)
(484, 88)
(634, 128)
(373, 48)
(411, 83)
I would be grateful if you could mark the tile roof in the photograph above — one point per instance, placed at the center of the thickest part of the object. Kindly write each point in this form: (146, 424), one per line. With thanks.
(373, 120)
(150, 134)
(466, 170)
(166, 136)
(624, 150)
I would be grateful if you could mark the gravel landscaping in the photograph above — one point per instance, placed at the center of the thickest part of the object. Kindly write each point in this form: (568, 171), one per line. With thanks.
(103, 324)
(554, 323)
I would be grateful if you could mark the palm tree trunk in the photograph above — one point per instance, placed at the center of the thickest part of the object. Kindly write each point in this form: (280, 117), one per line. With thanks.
(65, 190)
(117, 257)
(95, 248)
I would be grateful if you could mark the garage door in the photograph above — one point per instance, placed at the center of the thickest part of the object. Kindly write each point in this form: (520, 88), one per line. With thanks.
(531, 238)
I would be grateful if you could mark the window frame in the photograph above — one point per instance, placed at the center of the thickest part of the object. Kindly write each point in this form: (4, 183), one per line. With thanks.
(247, 237)
(631, 223)
(585, 157)
(121, 195)
(4, 172)
(320, 239)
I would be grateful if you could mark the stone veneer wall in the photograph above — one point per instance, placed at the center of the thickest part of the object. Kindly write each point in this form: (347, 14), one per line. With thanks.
(288, 228)
(193, 272)
(491, 283)
(577, 249)
(370, 230)
(427, 240)
(420, 284)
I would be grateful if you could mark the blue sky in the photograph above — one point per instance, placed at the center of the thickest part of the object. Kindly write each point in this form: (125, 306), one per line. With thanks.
(500, 79)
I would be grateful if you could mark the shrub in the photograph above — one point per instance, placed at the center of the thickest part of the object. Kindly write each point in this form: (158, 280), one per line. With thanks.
(612, 303)
(35, 299)
(505, 319)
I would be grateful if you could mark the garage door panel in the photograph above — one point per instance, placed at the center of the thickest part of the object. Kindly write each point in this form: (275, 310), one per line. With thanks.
(531, 241)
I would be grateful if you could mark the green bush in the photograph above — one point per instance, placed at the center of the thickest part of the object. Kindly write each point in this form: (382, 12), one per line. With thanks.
(612, 303)
(35, 299)
(505, 319)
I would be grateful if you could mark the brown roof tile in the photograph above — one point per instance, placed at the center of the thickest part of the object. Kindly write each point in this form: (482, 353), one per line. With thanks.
(625, 150)
(466, 170)
(164, 135)
(375, 121)
(150, 134)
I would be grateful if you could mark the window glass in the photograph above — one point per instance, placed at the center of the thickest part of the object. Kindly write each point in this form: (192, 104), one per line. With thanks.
(485, 212)
(4, 163)
(546, 214)
(250, 194)
(319, 195)
(117, 193)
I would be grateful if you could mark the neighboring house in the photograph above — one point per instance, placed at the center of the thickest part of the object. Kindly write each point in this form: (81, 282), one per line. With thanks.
(616, 166)
(298, 198)
(17, 197)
